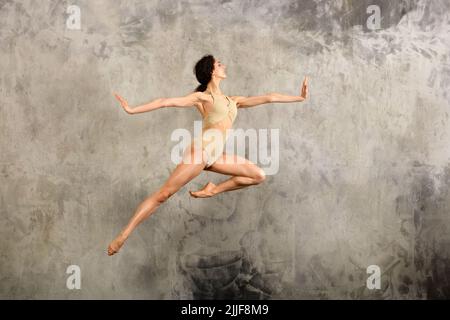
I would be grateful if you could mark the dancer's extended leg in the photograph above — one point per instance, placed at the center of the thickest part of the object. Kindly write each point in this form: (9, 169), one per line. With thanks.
(183, 173)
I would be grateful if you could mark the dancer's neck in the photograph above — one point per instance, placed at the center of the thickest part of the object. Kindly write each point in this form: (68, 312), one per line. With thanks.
(214, 88)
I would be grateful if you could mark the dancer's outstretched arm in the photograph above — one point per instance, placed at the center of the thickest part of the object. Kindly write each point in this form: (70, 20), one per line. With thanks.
(273, 97)
(187, 101)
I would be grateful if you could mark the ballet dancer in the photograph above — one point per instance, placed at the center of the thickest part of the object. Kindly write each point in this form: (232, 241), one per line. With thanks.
(218, 113)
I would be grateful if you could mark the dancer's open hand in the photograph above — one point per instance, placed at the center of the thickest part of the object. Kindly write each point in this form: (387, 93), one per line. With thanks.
(123, 103)
(304, 90)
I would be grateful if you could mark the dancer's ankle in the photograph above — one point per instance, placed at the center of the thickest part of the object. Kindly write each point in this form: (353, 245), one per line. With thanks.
(123, 236)
(214, 190)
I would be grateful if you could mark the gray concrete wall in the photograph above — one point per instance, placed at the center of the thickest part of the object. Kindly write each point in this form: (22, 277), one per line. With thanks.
(364, 163)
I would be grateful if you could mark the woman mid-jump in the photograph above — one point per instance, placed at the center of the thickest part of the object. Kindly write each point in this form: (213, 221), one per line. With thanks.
(219, 112)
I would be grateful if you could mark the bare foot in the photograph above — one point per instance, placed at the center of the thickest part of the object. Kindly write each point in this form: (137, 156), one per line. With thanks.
(115, 245)
(206, 192)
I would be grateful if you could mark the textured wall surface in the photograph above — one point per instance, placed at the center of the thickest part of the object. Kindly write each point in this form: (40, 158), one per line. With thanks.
(364, 170)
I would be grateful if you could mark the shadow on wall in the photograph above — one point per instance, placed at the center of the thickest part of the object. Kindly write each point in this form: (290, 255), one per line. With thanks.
(228, 275)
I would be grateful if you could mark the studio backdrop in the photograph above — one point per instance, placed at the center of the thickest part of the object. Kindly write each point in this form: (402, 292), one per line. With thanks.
(355, 202)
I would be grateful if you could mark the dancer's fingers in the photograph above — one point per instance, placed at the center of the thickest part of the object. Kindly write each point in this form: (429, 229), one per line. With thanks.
(122, 100)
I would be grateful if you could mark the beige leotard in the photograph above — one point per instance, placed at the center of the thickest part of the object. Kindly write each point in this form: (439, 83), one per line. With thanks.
(215, 124)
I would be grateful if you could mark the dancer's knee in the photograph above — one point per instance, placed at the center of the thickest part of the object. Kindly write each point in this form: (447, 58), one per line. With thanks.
(163, 195)
(260, 176)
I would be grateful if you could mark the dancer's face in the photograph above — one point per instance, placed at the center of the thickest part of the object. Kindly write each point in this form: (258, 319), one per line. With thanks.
(219, 69)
